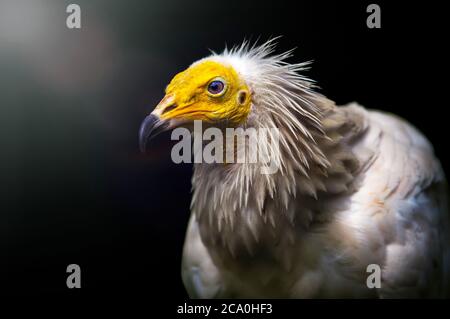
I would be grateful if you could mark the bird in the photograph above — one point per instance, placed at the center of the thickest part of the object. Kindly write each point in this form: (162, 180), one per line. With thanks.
(356, 188)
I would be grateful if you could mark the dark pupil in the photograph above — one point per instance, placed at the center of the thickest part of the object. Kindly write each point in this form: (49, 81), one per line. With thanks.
(215, 87)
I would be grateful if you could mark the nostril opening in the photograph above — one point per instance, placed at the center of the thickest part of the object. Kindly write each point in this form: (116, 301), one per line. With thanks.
(242, 97)
(169, 108)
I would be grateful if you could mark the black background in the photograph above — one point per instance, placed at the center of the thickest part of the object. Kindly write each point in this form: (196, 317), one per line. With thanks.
(74, 187)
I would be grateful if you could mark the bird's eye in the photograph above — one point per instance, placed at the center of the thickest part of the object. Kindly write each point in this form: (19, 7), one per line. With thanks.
(216, 87)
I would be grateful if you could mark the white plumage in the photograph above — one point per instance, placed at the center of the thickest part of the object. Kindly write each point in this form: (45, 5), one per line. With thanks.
(357, 187)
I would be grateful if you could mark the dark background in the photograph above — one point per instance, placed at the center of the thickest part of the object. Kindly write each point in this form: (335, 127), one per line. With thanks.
(74, 187)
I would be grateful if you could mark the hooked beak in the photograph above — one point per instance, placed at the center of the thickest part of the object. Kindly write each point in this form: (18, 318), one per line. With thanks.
(153, 124)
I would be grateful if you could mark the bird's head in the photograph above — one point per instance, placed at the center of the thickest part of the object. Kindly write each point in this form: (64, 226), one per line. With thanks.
(246, 86)
(210, 91)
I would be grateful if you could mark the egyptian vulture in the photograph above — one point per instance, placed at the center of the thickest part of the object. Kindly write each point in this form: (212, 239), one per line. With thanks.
(355, 188)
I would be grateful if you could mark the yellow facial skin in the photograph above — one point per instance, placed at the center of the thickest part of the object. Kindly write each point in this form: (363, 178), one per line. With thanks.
(187, 96)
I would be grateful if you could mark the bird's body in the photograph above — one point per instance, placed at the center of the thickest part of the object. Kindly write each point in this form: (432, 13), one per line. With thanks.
(393, 214)
(355, 188)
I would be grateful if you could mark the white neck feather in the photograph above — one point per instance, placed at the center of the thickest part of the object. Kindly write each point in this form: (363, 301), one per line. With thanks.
(237, 198)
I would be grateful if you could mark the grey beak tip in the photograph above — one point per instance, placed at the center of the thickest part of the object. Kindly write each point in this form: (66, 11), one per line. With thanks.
(142, 146)
(150, 123)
